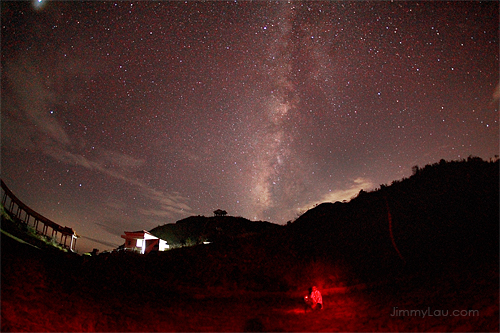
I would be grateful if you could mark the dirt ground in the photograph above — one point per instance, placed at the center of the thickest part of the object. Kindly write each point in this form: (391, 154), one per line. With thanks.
(38, 295)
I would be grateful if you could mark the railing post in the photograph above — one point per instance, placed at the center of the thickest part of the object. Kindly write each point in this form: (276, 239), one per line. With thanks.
(18, 217)
(73, 243)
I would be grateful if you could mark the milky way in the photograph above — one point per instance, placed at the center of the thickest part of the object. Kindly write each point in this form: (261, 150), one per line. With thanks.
(128, 115)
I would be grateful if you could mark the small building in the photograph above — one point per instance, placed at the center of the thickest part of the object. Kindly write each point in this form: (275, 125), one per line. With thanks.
(220, 212)
(143, 242)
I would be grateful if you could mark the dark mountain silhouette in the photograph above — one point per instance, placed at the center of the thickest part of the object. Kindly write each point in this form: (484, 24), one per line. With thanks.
(442, 217)
(430, 240)
(198, 229)
(445, 212)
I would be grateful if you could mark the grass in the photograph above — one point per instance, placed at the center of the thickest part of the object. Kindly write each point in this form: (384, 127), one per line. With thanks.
(46, 292)
(257, 283)
(27, 233)
(16, 239)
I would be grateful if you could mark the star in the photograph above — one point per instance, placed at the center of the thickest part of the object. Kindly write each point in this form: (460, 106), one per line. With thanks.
(133, 115)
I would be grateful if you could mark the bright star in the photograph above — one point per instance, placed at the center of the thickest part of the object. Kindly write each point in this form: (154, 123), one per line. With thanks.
(38, 4)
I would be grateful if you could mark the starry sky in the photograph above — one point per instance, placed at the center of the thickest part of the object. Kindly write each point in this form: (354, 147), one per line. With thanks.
(122, 116)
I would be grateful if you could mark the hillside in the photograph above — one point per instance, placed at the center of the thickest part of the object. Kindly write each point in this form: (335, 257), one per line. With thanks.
(445, 212)
(198, 229)
(442, 217)
(443, 221)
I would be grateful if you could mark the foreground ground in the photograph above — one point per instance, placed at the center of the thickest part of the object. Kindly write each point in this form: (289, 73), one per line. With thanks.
(40, 294)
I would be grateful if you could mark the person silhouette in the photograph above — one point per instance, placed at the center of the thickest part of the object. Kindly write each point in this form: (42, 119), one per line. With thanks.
(314, 300)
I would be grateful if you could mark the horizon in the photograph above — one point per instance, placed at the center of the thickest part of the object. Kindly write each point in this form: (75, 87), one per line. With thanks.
(129, 115)
(111, 247)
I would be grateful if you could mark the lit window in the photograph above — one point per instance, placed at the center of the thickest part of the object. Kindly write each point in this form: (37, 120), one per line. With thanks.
(139, 243)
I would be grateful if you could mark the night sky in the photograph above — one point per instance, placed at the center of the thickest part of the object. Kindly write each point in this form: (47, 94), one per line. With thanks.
(122, 116)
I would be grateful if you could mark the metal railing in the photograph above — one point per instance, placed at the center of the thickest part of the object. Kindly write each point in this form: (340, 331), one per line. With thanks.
(23, 214)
